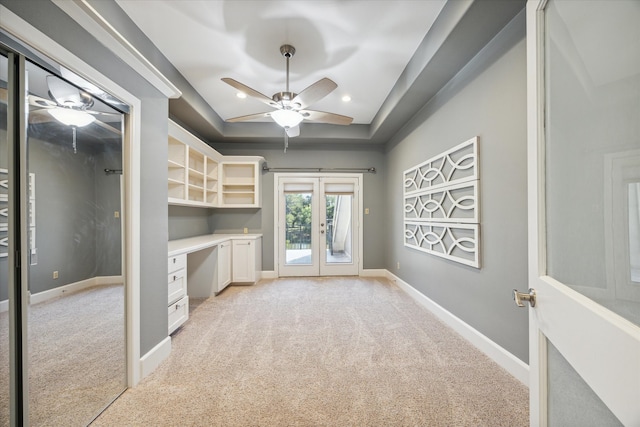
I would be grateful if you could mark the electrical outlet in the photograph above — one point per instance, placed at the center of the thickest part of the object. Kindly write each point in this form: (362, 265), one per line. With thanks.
(246, 230)
(116, 214)
(366, 211)
(398, 266)
(55, 274)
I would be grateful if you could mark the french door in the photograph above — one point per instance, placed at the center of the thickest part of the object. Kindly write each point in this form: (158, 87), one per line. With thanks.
(584, 215)
(318, 225)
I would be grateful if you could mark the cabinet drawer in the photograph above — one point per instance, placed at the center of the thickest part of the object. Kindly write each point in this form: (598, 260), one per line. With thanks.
(177, 262)
(178, 313)
(177, 285)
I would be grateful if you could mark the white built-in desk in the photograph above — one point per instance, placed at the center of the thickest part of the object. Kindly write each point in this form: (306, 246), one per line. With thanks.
(202, 266)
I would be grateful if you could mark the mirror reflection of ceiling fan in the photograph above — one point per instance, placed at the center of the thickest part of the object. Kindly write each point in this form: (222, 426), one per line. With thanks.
(291, 108)
(68, 105)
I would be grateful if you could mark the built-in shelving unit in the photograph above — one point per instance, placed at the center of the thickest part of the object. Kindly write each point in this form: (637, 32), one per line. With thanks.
(200, 176)
(177, 169)
(211, 189)
(240, 184)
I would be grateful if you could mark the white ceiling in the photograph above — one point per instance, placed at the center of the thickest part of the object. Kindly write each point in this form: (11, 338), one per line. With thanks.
(363, 46)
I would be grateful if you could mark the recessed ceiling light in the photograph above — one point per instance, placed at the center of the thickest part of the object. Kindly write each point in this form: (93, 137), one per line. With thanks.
(241, 95)
(346, 98)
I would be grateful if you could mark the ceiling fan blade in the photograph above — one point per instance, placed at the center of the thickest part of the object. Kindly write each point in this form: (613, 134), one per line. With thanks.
(250, 92)
(323, 117)
(67, 94)
(39, 102)
(248, 117)
(313, 93)
(292, 132)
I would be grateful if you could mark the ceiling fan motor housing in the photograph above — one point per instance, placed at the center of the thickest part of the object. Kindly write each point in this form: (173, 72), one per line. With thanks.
(287, 50)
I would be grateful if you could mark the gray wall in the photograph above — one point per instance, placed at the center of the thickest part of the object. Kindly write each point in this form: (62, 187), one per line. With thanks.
(261, 220)
(75, 235)
(49, 19)
(185, 221)
(488, 99)
(108, 201)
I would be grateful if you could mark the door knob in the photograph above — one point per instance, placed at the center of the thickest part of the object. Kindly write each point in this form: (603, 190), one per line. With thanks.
(519, 297)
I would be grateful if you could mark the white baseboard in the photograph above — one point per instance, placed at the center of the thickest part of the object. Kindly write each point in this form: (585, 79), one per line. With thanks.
(4, 305)
(502, 357)
(374, 273)
(154, 357)
(73, 287)
(268, 275)
(108, 280)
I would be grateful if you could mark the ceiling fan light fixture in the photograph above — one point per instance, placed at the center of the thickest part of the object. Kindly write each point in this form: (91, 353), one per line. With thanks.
(71, 117)
(287, 118)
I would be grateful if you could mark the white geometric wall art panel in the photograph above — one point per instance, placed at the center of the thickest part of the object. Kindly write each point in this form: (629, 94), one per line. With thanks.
(457, 203)
(456, 242)
(441, 205)
(456, 165)
(4, 212)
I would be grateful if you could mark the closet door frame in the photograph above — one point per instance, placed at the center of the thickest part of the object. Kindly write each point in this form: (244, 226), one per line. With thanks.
(35, 39)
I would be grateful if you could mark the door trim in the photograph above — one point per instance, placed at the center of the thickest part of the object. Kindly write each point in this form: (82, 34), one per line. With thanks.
(535, 180)
(33, 37)
(276, 214)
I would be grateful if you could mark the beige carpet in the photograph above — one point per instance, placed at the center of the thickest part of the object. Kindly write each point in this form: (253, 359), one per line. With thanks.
(320, 352)
(77, 363)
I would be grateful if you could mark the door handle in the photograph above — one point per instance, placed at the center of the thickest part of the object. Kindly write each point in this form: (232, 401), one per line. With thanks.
(519, 297)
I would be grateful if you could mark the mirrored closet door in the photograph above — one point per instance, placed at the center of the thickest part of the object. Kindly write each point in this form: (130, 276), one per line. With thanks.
(5, 336)
(70, 360)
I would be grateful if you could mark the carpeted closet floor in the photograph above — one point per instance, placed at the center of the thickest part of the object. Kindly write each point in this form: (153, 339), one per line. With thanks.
(320, 352)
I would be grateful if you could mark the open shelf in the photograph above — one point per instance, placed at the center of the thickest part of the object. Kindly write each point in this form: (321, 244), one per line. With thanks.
(200, 176)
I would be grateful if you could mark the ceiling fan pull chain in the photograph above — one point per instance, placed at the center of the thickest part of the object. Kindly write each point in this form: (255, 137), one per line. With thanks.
(286, 141)
(75, 148)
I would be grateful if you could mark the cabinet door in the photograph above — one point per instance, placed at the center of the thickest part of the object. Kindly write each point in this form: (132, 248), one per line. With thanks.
(224, 265)
(244, 261)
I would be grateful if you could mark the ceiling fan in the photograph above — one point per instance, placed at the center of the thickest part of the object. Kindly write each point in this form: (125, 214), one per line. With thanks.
(291, 108)
(69, 106)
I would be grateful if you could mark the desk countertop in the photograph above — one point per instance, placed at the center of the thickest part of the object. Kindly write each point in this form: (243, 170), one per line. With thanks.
(196, 243)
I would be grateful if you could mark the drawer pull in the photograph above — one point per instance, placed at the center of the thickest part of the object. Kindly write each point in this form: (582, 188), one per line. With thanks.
(175, 277)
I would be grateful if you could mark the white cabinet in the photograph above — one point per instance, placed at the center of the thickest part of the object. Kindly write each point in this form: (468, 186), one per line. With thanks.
(178, 301)
(178, 313)
(192, 170)
(247, 257)
(240, 183)
(200, 176)
(224, 265)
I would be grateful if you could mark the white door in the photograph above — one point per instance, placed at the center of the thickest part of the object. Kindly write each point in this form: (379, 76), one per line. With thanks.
(318, 221)
(584, 239)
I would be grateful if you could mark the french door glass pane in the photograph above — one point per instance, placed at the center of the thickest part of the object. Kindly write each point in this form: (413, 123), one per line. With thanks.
(4, 272)
(570, 400)
(592, 79)
(298, 211)
(339, 228)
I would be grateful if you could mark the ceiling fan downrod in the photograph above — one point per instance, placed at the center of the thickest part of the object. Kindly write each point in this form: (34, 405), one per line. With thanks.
(287, 51)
